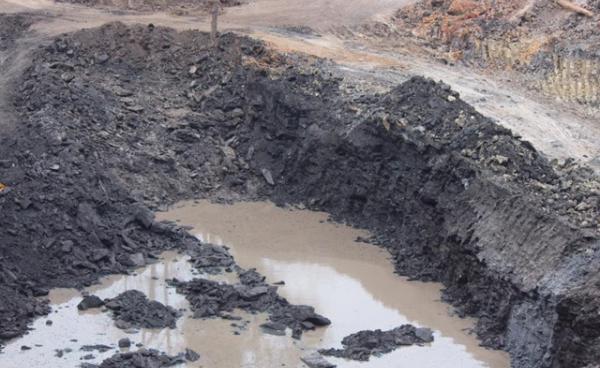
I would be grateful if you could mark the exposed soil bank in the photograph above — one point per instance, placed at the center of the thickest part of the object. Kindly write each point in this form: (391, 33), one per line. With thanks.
(118, 120)
(553, 49)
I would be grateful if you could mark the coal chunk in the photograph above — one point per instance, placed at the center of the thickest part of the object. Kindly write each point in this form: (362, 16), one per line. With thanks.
(315, 360)
(191, 355)
(133, 309)
(89, 302)
(210, 299)
(142, 359)
(364, 344)
(124, 343)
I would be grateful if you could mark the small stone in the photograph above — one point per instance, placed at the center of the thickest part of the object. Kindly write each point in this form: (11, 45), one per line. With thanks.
(124, 343)
(49, 323)
(137, 259)
(122, 92)
(67, 77)
(89, 302)
(273, 328)
(102, 58)
(318, 320)
(55, 167)
(135, 108)
(25, 347)
(315, 360)
(425, 334)
(66, 246)
(268, 176)
(499, 159)
(191, 355)
(193, 69)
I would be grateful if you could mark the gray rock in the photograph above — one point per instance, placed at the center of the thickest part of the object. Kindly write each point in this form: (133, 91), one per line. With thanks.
(268, 176)
(315, 360)
(90, 301)
(137, 259)
(124, 343)
(67, 77)
(102, 58)
(191, 355)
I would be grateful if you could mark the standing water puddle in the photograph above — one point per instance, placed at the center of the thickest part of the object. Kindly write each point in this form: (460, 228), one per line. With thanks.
(322, 265)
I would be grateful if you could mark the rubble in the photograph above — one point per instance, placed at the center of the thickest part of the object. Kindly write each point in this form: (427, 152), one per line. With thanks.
(315, 360)
(214, 299)
(364, 344)
(142, 359)
(132, 309)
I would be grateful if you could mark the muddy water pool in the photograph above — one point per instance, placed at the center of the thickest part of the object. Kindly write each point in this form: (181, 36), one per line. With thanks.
(322, 265)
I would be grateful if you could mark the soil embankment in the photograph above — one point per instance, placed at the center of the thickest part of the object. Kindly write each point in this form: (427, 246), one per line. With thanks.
(555, 50)
(118, 121)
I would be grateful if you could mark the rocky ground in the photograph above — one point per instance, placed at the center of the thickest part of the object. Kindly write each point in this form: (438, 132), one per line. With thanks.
(12, 26)
(553, 48)
(118, 121)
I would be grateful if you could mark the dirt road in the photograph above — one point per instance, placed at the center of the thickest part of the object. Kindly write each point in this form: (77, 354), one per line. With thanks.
(554, 130)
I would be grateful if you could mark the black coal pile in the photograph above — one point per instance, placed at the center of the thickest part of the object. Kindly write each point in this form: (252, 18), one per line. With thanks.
(16, 310)
(118, 121)
(214, 299)
(364, 344)
(132, 309)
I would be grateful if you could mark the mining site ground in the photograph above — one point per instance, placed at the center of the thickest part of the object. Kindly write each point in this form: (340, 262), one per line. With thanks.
(356, 200)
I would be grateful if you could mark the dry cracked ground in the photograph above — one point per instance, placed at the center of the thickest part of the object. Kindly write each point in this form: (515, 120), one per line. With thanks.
(462, 135)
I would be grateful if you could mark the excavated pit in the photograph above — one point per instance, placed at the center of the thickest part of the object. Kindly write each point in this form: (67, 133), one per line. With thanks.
(118, 121)
(320, 263)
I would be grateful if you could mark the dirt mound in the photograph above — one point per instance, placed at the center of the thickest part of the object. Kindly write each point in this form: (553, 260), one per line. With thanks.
(364, 344)
(16, 310)
(554, 49)
(119, 120)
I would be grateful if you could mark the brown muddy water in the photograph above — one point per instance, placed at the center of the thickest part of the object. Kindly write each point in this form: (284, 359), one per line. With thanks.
(322, 265)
